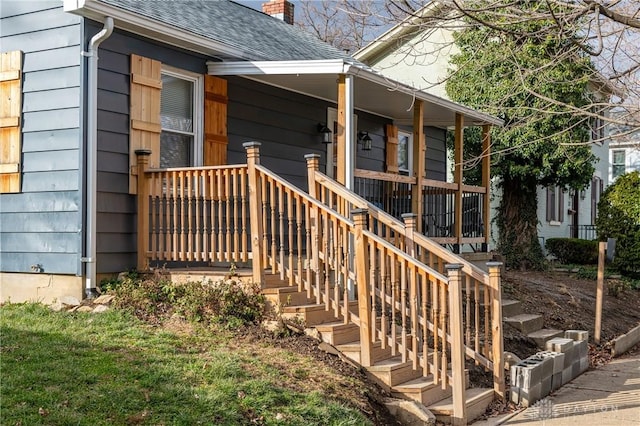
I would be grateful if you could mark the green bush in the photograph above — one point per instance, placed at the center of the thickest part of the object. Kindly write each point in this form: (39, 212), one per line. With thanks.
(573, 250)
(619, 218)
(155, 298)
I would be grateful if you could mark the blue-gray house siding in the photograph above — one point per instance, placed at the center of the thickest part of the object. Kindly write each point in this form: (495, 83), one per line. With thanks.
(41, 224)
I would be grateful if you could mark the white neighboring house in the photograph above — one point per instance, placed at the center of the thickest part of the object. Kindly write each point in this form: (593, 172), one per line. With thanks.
(624, 152)
(560, 213)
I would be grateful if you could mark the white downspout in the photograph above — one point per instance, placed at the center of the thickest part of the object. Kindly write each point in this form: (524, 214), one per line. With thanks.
(91, 186)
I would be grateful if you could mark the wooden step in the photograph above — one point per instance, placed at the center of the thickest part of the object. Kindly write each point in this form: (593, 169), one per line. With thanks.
(422, 390)
(285, 296)
(477, 401)
(338, 333)
(352, 351)
(313, 314)
(392, 371)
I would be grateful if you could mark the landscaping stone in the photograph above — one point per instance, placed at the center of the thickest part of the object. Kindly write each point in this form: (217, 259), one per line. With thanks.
(100, 308)
(526, 323)
(84, 309)
(104, 299)
(69, 301)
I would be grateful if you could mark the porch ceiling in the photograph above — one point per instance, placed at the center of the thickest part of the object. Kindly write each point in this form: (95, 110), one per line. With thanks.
(373, 92)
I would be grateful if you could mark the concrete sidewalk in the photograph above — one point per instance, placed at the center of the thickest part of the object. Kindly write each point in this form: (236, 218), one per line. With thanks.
(608, 396)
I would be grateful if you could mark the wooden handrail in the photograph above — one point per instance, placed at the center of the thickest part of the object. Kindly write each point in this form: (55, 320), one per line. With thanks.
(439, 184)
(386, 177)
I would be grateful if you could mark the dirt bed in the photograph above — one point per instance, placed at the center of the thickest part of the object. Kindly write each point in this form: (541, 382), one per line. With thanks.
(567, 302)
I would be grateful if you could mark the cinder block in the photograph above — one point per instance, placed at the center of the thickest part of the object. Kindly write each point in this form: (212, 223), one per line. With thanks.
(577, 335)
(566, 375)
(584, 364)
(575, 369)
(559, 344)
(569, 357)
(546, 359)
(581, 349)
(556, 381)
(528, 373)
(529, 396)
(545, 388)
(515, 395)
(513, 375)
(558, 362)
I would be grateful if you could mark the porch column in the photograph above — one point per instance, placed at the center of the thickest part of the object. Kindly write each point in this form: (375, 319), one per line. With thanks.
(346, 146)
(143, 208)
(419, 151)
(486, 182)
(255, 204)
(457, 178)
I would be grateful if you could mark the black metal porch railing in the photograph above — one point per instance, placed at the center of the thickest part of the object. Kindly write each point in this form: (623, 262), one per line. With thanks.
(583, 232)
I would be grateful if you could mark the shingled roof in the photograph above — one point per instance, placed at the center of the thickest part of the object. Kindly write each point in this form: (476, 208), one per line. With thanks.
(230, 23)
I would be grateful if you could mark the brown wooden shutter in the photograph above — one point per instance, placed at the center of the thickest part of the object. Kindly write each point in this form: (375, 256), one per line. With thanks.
(144, 112)
(10, 114)
(550, 203)
(391, 148)
(215, 121)
(560, 205)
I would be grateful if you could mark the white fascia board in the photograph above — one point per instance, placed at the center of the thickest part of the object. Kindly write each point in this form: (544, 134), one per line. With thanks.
(323, 66)
(153, 29)
(427, 97)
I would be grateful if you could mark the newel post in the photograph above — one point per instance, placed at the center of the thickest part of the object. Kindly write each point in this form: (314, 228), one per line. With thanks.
(143, 207)
(409, 230)
(454, 271)
(313, 165)
(497, 344)
(255, 212)
(362, 280)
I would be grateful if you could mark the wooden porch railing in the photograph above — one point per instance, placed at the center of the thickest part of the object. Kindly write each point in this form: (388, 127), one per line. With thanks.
(482, 313)
(338, 248)
(442, 219)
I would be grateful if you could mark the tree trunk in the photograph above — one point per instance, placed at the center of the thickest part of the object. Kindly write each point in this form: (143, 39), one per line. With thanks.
(518, 224)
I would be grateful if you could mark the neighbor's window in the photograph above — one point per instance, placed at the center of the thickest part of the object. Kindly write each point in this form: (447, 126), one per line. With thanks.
(597, 186)
(178, 115)
(618, 162)
(405, 152)
(555, 204)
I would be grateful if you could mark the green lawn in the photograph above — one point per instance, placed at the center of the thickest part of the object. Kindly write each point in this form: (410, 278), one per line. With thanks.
(103, 369)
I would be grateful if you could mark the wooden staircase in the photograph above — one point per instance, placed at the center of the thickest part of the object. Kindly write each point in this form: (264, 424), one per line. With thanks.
(396, 376)
(383, 294)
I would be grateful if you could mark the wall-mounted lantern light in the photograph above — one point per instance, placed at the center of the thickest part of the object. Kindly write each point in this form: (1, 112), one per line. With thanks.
(325, 132)
(365, 140)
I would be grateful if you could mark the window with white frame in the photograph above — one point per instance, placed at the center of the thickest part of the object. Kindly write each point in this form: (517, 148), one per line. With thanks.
(180, 139)
(405, 152)
(555, 204)
(618, 163)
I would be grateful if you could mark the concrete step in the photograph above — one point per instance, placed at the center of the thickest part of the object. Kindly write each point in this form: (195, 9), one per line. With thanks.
(541, 336)
(526, 323)
(392, 371)
(511, 307)
(338, 333)
(423, 390)
(477, 401)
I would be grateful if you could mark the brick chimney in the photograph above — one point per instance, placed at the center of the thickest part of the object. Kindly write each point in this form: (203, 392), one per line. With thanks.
(281, 9)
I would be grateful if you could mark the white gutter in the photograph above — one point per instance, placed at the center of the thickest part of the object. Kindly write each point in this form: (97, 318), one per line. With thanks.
(156, 30)
(91, 186)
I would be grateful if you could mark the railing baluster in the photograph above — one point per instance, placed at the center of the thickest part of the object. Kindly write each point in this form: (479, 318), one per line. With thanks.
(243, 219)
(236, 217)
